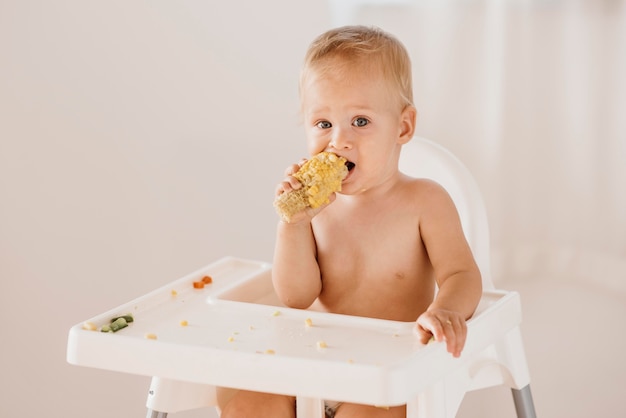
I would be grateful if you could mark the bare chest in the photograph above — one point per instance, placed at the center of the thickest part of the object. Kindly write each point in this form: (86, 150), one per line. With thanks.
(377, 267)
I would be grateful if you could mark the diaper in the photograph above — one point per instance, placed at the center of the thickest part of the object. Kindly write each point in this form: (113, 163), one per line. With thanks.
(330, 407)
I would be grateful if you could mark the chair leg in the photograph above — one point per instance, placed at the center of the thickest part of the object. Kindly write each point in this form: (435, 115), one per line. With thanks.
(309, 407)
(524, 405)
(156, 414)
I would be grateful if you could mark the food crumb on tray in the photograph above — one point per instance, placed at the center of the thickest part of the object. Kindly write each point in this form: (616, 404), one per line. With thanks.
(117, 323)
(199, 284)
(89, 326)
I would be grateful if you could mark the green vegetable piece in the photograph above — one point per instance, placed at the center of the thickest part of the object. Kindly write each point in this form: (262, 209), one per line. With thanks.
(128, 318)
(118, 324)
(105, 328)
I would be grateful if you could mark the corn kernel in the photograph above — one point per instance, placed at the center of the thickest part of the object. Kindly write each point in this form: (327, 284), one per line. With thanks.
(89, 326)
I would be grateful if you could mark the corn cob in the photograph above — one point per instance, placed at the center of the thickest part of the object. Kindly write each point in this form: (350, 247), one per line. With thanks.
(320, 177)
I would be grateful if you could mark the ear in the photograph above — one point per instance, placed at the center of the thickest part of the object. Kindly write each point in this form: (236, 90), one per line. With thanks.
(408, 120)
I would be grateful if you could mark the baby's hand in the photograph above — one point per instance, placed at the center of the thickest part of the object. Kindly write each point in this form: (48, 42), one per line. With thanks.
(291, 183)
(443, 325)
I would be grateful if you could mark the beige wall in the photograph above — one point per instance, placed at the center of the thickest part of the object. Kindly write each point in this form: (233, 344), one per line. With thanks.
(142, 140)
(138, 142)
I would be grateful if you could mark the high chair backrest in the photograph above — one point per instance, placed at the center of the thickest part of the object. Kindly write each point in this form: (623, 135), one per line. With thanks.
(426, 159)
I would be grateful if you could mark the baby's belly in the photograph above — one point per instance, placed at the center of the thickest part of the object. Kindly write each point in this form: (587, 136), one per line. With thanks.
(389, 301)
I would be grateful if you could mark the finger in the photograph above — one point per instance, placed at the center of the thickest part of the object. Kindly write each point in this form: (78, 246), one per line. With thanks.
(279, 190)
(433, 325)
(291, 183)
(456, 334)
(438, 331)
(287, 185)
(282, 187)
(293, 169)
(460, 330)
(449, 329)
(423, 334)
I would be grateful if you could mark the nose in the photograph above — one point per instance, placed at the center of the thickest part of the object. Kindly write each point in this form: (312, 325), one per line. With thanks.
(341, 140)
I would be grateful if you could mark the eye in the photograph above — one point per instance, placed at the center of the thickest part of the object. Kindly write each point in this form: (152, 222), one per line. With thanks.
(324, 124)
(360, 122)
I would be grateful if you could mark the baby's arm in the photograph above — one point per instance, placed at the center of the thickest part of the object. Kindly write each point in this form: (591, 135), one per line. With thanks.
(456, 273)
(295, 272)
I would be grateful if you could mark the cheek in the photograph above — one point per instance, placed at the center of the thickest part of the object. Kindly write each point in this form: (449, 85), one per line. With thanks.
(315, 145)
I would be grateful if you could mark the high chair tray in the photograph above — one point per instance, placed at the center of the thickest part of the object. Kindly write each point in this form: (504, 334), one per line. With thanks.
(235, 333)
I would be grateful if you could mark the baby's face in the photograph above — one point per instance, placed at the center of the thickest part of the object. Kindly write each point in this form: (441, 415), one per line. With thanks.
(357, 115)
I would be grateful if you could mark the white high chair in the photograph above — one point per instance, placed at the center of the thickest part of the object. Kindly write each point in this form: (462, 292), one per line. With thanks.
(237, 334)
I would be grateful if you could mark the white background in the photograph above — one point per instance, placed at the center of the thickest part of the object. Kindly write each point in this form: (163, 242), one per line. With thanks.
(142, 140)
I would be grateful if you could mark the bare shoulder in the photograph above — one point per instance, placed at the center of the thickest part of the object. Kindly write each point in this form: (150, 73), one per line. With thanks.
(425, 190)
(429, 200)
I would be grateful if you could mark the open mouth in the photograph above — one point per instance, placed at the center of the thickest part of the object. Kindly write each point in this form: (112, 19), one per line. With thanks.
(350, 165)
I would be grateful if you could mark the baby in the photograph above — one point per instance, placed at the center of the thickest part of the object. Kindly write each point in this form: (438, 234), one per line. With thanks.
(386, 241)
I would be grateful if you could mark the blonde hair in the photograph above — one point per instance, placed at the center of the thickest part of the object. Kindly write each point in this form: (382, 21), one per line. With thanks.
(350, 45)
